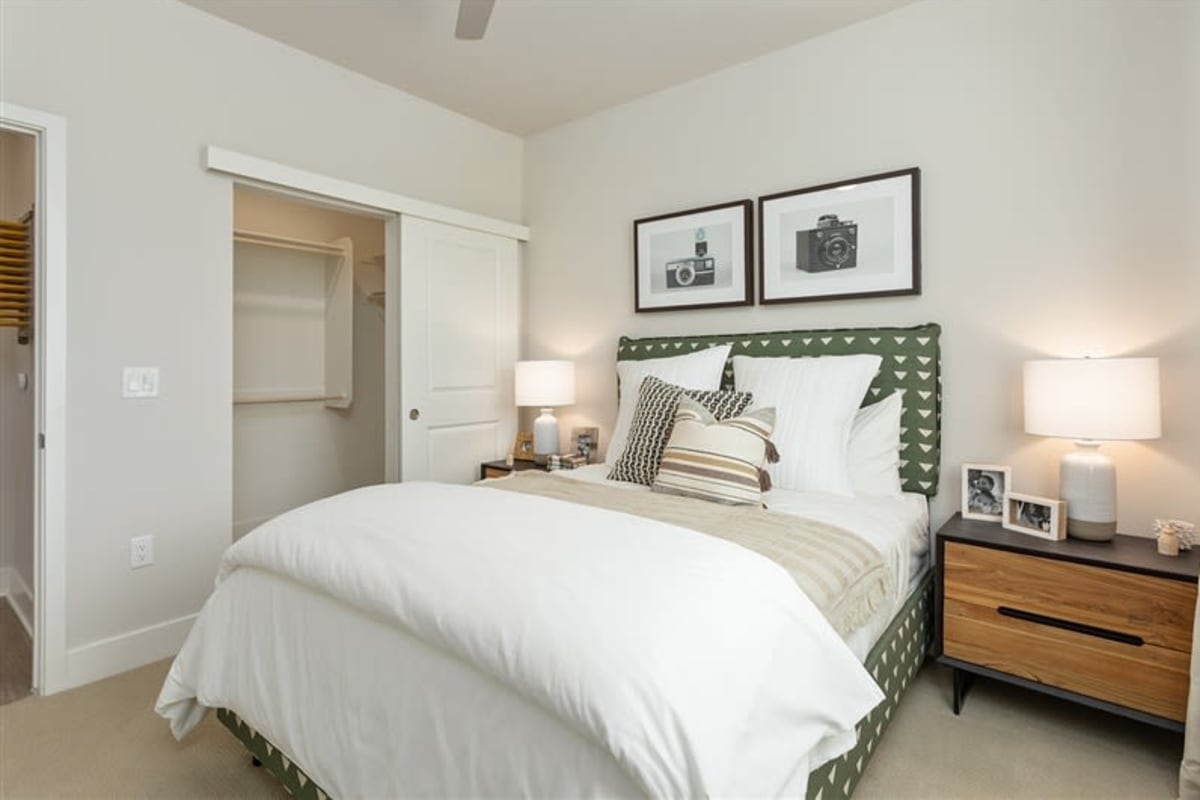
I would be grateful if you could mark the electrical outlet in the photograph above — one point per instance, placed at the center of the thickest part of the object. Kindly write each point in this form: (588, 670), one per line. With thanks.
(141, 551)
(139, 382)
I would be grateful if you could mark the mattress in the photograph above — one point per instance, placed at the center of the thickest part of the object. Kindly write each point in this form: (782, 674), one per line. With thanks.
(895, 525)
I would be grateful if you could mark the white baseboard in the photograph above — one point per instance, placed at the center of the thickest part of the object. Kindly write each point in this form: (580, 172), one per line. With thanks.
(19, 595)
(96, 660)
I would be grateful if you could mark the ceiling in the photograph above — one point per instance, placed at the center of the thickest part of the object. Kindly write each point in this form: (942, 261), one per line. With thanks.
(542, 62)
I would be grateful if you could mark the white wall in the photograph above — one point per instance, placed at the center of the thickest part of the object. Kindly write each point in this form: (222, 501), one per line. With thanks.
(17, 193)
(285, 455)
(144, 85)
(1051, 140)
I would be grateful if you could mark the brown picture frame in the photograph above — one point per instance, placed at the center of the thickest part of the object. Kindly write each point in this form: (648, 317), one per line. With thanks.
(699, 258)
(797, 265)
(523, 447)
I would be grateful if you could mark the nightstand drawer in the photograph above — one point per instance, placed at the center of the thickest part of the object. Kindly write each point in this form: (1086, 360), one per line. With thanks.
(1157, 610)
(1143, 676)
(493, 472)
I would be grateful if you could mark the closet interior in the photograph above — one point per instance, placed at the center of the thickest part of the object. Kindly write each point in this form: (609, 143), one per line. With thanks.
(18, 191)
(308, 354)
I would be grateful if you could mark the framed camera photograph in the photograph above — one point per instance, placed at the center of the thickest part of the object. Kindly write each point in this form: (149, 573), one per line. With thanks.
(694, 259)
(854, 238)
(983, 490)
(1036, 516)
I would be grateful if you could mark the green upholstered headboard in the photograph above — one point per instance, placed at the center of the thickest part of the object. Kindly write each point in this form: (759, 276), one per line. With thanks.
(911, 362)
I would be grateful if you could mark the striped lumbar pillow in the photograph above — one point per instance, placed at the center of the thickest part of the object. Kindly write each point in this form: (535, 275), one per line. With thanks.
(716, 460)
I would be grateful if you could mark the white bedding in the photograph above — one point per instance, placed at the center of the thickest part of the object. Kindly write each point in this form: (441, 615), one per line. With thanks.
(400, 660)
(896, 525)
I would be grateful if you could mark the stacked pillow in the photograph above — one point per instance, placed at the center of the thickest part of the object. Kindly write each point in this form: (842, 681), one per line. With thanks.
(828, 443)
(699, 370)
(717, 460)
(815, 401)
(653, 420)
(873, 452)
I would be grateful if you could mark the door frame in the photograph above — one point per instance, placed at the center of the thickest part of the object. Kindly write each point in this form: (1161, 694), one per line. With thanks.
(50, 393)
(347, 195)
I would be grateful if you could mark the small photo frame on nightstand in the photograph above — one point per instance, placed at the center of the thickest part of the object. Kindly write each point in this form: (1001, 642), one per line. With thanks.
(523, 447)
(983, 490)
(1036, 516)
(584, 442)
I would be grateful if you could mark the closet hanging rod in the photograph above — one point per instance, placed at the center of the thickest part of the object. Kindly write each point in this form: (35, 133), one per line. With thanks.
(287, 242)
(285, 398)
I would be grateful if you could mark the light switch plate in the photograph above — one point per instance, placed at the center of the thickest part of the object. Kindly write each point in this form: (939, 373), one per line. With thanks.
(139, 382)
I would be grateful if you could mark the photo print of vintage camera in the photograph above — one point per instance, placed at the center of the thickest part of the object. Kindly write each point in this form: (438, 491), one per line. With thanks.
(833, 244)
(700, 270)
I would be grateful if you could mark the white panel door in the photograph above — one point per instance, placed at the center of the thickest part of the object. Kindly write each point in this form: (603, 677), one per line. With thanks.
(458, 343)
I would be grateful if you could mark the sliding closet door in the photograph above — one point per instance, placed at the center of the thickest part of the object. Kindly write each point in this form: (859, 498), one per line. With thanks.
(458, 344)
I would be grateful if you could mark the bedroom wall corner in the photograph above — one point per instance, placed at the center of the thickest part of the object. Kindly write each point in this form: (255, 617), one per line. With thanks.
(1050, 137)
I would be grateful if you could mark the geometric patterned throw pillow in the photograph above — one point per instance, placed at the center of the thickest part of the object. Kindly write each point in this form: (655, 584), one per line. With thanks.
(718, 461)
(653, 419)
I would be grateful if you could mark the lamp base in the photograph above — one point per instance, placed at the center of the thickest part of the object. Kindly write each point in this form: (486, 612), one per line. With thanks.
(1091, 531)
(545, 436)
(1088, 483)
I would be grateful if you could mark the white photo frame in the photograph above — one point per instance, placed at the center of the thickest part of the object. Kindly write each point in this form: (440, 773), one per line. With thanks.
(983, 489)
(1042, 517)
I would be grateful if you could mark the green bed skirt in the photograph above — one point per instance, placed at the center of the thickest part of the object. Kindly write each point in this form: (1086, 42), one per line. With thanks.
(893, 662)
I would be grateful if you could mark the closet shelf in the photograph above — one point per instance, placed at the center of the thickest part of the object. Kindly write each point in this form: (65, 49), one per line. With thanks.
(273, 240)
(259, 399)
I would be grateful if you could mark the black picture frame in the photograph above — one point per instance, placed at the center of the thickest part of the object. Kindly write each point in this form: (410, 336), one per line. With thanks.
(671, 274)
(796, 266)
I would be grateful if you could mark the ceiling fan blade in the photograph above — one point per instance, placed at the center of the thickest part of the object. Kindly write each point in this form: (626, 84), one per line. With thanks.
(473, 18)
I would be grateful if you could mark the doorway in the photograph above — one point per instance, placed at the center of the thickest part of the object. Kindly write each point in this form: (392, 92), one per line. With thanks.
(308, 363)
(18, 411)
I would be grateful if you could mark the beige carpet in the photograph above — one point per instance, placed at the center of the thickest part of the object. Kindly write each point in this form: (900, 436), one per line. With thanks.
(104, 740)
(16, 656)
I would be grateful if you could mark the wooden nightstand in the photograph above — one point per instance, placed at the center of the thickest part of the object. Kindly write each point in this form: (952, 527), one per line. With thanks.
(1106, 624)
(498, 469)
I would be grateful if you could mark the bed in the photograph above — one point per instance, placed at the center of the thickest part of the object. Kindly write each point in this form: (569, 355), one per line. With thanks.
(314, 672)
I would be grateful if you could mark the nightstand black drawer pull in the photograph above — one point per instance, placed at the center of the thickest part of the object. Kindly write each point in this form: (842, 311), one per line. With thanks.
(1067, 625)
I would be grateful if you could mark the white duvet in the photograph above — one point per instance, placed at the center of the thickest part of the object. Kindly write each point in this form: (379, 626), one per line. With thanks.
(617, 653)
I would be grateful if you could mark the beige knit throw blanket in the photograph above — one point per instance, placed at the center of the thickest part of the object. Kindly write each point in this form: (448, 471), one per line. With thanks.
(844, 576)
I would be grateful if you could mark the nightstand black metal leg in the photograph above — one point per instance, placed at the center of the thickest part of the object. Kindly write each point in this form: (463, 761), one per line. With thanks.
(962, 685)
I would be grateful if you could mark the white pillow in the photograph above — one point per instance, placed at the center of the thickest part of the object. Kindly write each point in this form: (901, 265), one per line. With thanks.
(873, 452)
(815, 400)
(699, 370)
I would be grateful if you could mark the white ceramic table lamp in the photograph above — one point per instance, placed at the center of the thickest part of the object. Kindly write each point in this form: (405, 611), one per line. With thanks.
(545, 384)
(1092, 400)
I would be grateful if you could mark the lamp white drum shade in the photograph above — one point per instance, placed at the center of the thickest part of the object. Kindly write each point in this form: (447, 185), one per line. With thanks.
(1090, 400)
(545, 384)
(1104, 399)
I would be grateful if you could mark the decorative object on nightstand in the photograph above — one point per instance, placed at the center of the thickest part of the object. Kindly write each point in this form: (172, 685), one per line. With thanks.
(584, 442)
(522, 448)
(1105, 626)
(545, 384)
(1092, 400)
(1185, 532)
(983, 490)
(1036, 516)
